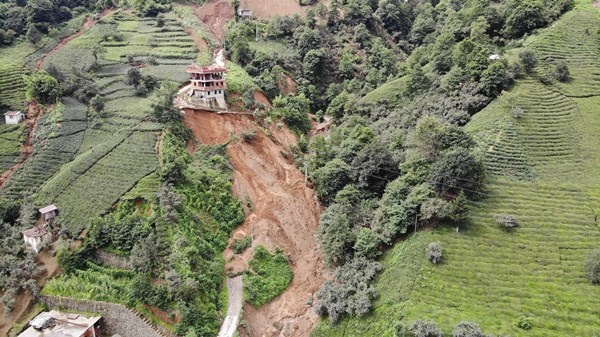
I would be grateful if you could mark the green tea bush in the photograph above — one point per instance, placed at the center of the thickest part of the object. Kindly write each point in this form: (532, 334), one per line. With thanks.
(592, 266)
(269, 276)
(240, 245)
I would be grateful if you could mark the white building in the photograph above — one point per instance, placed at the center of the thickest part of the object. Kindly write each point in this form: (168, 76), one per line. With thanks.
(13, 117)
(245, 13)
(56, 324)
(208, 85)
(36, 237)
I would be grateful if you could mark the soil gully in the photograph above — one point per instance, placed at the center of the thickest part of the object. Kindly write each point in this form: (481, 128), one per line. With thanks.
(284, 213)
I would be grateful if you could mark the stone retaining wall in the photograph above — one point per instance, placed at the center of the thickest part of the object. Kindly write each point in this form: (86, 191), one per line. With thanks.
(118, 319)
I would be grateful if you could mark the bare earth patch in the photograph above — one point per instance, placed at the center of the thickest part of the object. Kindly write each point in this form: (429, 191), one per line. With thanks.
(215, 14)
(283, 213)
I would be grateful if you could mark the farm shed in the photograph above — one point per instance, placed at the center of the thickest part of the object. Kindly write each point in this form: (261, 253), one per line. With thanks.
(13, 117)
(49, 212)
(35, 237)
(54, 324)
(245, 13)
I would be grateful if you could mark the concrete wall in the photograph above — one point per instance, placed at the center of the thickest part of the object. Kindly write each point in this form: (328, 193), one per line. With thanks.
(118, 319)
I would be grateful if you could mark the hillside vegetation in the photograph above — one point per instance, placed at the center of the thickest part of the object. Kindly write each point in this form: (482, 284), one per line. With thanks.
(543, 169)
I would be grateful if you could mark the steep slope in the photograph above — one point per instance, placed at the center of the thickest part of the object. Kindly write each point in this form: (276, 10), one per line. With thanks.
(283, 213)
(542, 168)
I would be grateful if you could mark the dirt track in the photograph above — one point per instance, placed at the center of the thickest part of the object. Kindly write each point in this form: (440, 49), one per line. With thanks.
(284, 213)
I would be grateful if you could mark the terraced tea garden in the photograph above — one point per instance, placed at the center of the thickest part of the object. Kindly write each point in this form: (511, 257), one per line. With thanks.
(11, 140)
(543, 168)
(59, 135)
(85, 162)
(12, 69)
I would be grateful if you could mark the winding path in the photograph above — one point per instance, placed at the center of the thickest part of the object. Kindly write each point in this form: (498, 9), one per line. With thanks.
(234, 306)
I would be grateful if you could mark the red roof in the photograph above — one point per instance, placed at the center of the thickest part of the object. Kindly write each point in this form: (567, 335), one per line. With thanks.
(207, 69)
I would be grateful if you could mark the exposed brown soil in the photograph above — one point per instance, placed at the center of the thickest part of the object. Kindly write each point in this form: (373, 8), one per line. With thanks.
(31, 120)
(284, 213)
(259, 97)
(267, 9)
(162, 315)
(87, 24)
(596, 4)
(215, 14)
(288, 85)
(200, 43)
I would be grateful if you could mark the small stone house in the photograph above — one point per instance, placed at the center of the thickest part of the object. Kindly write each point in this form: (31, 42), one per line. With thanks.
(36, 237)
(49, 212)
(57, 324)
(13, 117)
(245, 13)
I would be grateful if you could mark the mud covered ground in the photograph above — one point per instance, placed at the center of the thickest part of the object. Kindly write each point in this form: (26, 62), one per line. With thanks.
(284, 213)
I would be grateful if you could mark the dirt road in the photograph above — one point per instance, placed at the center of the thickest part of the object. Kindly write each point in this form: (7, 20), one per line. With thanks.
(235, 299)
(284, 213)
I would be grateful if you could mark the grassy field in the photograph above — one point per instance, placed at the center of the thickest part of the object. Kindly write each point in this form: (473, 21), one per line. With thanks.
(542, 168)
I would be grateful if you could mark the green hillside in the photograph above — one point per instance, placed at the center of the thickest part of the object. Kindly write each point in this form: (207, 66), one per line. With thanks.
(542, 168)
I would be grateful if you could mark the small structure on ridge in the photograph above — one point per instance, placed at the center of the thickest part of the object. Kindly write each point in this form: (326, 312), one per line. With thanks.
(49, 212)
(13, 117)
(208, 85)
(244, 12)
(56, 324)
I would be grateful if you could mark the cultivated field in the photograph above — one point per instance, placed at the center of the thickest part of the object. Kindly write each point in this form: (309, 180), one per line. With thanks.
(542, 168)
(86, 163)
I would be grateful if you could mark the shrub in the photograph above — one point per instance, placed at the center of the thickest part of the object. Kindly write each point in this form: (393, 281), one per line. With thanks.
(524, 323)
(240, 245)
(507, 221)
(248, 135)
(528, 60)
(43, 88)
(517, 112)
(425, 329)
(457, 171)
(351, 294)
(547, 79)
(434, 252)
(467, 329)
(592, 266)
(270, 277)
(561, 72)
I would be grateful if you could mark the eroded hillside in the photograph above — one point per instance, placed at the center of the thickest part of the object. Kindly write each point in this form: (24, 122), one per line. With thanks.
(282, 212)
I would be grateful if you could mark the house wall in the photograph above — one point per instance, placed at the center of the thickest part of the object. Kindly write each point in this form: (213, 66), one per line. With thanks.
(49, 215)
(118, 319)
(34, 243)
(13, 119)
